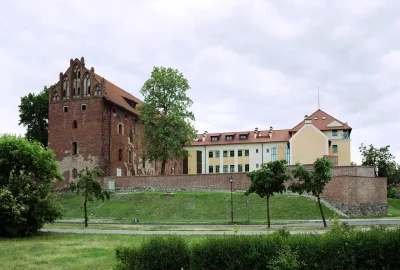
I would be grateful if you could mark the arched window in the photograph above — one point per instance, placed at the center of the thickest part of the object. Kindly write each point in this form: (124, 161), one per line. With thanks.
(74, 148)
(120, 129)
(120, 154)
(130, 156)
(74, 173)
(75, 124)
(76, 82)
(55, 96)
(86, 85)
(97, 91)
(65, 93)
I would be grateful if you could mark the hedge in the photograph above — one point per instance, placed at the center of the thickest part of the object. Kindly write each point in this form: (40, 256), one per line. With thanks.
(374, 249)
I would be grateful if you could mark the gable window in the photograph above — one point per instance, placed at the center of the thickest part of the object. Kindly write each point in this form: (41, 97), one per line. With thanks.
(210, 154)
(65, 109)
(232, 153)
(225, 153)
(274, 154)
(246, 153)
(232, 168)
(243, 137)
(240, 153)
(225, 168)
(83, 107)
(217, 153)
(334, 133)
(97, 91)
(229, 137)
(65, 92)
(246, 167)
(74, 148)
(120, 129)
(210, 169)
(86, 85)
(335, 148)
(74, 124)
(76, 82)
(217, 168)
(55, 96)
(120, 154)
(240, 168)
(214, 138)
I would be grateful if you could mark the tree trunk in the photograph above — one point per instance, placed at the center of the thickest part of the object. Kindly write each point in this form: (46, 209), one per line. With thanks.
(163, 163)
(268, 220)
(85, 209)
(322, 212)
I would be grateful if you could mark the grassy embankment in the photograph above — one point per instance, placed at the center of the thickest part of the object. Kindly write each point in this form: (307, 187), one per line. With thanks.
(192, 207)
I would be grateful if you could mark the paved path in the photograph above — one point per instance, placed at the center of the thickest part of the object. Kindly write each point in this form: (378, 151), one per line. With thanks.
(130, 232)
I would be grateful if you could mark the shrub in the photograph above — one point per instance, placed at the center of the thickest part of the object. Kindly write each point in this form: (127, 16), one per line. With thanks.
(392, 191)
(159, 252)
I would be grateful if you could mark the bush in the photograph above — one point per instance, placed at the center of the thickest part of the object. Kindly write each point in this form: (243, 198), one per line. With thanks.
(392, 191)
(159, 252)
(350, 249)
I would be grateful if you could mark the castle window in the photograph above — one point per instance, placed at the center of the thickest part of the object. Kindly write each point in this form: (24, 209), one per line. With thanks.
(120, 129)
(75, 124)
(65, 92)
(74, 173)
(86, 85)
(77, 76)
(97, 91)
(120, 154)
(74, 148)
(65, 109)
(55, 96)
(83, 107)
(130, 156)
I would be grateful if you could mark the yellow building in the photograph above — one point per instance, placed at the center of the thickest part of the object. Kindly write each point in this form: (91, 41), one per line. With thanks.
(317, 135)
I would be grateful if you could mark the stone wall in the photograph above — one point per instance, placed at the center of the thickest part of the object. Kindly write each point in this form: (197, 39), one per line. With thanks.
(353, 190)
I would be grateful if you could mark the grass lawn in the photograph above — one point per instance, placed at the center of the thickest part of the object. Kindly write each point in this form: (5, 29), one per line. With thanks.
(65, 251)
(192, 207)
(394, 207)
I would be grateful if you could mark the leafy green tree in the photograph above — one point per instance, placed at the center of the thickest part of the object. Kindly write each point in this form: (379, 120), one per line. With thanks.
(34, 115)
(27, 171)
(313, 181)
(90, 188)
(268, 180)
(166, 117)
(379, 158)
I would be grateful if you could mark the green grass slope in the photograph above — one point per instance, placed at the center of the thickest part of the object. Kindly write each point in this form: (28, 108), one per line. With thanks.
(394, 207)
(192, 207)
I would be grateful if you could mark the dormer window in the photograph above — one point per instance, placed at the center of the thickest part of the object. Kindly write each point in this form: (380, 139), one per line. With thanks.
(214, 138)
(243, 137)
(229, 137)
(130, 102)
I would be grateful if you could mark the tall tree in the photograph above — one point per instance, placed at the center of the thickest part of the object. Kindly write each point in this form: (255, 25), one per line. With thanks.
(166, 117)
(90, 188)
(34, 115)
(379, 158)
(269, 180)
(313, 181)
(27, 171)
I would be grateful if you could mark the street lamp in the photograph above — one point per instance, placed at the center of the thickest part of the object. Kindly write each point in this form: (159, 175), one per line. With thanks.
(231, 181)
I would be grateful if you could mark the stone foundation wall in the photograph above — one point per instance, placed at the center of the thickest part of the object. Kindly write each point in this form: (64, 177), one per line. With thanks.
(362, 209)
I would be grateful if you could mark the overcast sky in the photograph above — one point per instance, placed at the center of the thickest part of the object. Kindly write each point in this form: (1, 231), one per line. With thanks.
(249, 63)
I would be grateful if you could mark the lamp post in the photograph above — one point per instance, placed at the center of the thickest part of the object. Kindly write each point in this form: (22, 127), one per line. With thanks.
(231, 181)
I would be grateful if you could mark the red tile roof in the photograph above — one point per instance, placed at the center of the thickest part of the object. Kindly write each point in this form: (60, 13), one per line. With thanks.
(277, 136)
(118, 95)
(321, 120)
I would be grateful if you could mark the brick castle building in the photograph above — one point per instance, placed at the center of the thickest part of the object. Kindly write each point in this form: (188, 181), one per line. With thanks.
(94, 124)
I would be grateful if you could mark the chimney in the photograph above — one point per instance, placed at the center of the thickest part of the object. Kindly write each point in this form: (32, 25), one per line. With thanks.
(204, 136)
(305, 116)
(270, 132)
(256, 132)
